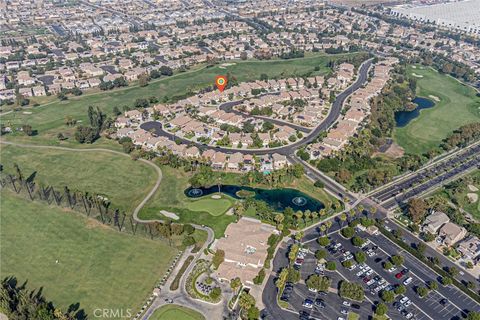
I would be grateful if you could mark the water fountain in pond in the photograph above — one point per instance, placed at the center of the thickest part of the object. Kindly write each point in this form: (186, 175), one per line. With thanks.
(195, 192)
(299, 201)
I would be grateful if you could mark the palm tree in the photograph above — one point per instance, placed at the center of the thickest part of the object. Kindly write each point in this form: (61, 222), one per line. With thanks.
(279, 218)
(299, 215)
(323, 229)
(235, 284)
(342, 219)
(328, 224)
(299, 235)
(314, 215)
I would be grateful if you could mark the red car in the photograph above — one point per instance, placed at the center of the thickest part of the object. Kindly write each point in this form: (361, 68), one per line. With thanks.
(399, 275)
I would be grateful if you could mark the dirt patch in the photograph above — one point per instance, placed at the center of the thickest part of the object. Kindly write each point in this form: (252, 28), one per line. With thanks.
(169, 214)
(394, 151)
(94, 223)
(225, 65)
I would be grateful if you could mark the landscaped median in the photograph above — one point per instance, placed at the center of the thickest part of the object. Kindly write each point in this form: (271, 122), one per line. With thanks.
(202, 267)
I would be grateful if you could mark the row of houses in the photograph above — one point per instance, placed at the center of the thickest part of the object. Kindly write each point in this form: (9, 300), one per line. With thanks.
(217, 159)
(451, 235)
(358, 110)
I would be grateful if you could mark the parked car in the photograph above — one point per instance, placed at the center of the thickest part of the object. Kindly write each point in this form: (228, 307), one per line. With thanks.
(407, 281)
(308, 304)
(399, 275)
(346, 303)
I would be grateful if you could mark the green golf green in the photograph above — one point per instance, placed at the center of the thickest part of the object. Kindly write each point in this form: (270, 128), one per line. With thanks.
(176, 312)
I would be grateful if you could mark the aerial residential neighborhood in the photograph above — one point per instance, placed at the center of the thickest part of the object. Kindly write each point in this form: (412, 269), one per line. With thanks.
(238, 159)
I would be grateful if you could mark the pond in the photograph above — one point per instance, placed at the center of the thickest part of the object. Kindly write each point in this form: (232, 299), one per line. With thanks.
(402, 118)
(278, 199)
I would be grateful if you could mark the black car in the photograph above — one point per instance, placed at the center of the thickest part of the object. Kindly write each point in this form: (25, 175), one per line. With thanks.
(319, 303)
(377, 260)
(355, 306)
(443, 302)
(405, 271)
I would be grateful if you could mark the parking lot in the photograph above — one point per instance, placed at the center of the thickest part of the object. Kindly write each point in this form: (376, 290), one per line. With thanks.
(325, 305)
(435, 305)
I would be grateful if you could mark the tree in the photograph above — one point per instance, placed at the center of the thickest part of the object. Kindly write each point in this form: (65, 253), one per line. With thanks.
(323, 241)
(360, 257)
(27, 129)
(319, 184)
(246, 300)
(422, 291)
(357, 241)
(387, 265)
(253, 313)
(331, 265)
(320, 254)
(235, 284)
(400, 289)
(417, 208)
(293, 275)
(387, 296)
(319, 283)
(446, 281)
(299, 235)
(292, 254)
(351, 290)
(381, 309)
(397, 260)
(472, 315)
(433, 285)
(348, 232)
(347, 263)
(282, 279)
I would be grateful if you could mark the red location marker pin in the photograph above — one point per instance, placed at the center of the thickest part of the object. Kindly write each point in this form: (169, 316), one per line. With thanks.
(221, 82)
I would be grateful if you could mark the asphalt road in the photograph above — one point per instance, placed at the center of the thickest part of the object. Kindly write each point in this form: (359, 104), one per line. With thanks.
(290, 149)
(228, 107)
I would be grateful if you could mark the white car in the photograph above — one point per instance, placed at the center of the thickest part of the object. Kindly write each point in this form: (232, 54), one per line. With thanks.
(409, 315)
(346, 303)
(346, 253)
(392, 269)
(353, 267)
(369, 273)
(403, 300)
(313, 290)
(407, 281)
(370, 282)
(360, 273)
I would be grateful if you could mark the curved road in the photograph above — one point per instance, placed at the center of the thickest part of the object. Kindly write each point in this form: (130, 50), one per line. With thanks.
(331, 118)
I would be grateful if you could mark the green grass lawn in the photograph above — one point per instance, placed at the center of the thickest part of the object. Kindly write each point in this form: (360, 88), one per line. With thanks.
(97, 267)
(48, 119)
(124, 181)
(461, 198)
(458, 106)
(215, 207)
(170, 197)
(176, 312)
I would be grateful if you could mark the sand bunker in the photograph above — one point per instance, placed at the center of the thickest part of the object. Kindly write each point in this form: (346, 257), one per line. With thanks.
(472, 188)
(169, 214)
(27, 112)
(472, 197)
(225, 65)
(216, 196)
(417, 75)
